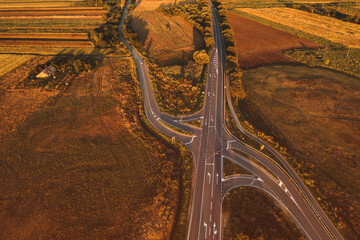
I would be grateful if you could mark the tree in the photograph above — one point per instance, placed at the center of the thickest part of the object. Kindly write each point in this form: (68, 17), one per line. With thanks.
(201, 57)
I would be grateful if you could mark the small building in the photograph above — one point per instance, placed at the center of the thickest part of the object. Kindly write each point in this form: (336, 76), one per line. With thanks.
(46, 72)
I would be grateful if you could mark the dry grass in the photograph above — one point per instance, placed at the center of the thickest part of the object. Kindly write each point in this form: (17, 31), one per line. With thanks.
(167, 39)
(83, 165)
(325, 27)
(9, 61)
(315, 114)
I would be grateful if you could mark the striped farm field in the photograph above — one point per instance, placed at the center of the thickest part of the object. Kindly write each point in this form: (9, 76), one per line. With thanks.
(77, 36)
(8, 4)
(52, 12)
(45, 23)
(9, 61)
(328, 28)
(46, 43)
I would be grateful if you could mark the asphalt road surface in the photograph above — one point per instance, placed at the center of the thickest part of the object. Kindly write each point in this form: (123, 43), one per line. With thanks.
(213, 142)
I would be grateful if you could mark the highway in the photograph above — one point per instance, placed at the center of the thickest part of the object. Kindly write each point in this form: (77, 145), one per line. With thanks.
(213, 142)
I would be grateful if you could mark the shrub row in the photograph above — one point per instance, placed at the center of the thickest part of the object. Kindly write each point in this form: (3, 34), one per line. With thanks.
(232, 64)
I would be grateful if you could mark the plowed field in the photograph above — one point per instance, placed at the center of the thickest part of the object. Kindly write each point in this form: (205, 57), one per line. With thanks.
(260, 45)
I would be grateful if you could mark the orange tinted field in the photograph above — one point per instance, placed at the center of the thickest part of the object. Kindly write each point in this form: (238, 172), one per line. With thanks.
(260, 45)
(46, 43)
(167, 39)
(83, 36)
(51, 12)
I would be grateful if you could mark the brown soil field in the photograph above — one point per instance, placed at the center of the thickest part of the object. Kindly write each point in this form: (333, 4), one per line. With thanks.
(28, 13)
(15, 104)
(326, 27)
(169, 40)
(315, 114)
(81, 166)
(260, 45)
(78, 36)
(45, 43)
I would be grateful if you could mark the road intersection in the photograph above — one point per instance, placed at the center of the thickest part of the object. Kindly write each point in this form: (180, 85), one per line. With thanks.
(213, 142)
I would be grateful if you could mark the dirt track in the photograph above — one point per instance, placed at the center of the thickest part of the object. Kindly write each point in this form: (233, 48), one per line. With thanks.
(260, 45)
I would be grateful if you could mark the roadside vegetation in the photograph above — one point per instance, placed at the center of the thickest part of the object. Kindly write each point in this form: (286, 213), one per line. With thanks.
(178, 76)
(233, 70)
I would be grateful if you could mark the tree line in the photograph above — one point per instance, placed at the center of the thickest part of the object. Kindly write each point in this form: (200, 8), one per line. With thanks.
(232, 65)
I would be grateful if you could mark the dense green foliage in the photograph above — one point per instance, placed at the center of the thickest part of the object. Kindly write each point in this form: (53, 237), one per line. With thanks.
(326, 11)
(232, 65)
(198, 15)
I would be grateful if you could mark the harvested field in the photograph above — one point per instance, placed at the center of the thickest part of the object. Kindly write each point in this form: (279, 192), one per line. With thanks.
(78, 36)
(46, 23)
(149, 5)
(169, 40)
(51, 17)
(45, 43)
(84, 167)
(326, 27)
(260, 45)
(9, 61)
(54, 12)
(315, 113)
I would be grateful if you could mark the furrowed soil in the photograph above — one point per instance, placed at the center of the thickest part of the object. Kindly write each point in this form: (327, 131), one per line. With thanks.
(315, 114)
(168, 40)
(80, 165)
(260, 45)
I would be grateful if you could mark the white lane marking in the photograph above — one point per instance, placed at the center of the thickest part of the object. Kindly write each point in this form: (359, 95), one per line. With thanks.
(209, 175)
(217, 178)
(210, 217)
(211, 206)
(192, 139)
(205, 225)
(280, 183)
(228, 145)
